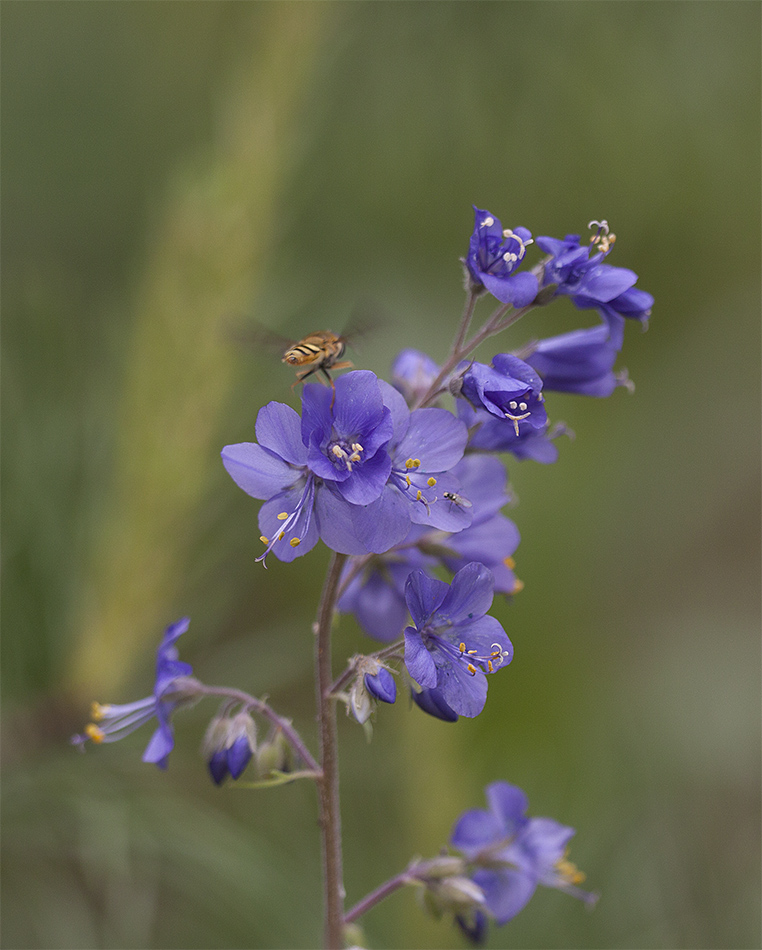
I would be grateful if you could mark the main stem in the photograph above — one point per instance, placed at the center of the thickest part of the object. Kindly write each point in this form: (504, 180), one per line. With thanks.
(328, 784)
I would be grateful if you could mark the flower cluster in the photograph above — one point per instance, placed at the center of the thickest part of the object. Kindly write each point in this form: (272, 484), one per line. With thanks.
(407, 492)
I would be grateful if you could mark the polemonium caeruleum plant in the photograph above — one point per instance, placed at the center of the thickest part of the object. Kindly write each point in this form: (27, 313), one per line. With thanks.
(406, 492)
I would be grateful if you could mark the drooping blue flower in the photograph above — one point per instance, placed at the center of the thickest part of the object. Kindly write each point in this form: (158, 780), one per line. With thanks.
(453, 643)
(174, 685)
(633, 304)
(508, 389)
(229, 745)
(494, 255)
(512, 853)
(372, 682)
(581, 361)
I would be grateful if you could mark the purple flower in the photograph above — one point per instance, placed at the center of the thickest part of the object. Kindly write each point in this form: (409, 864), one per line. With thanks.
(512, 854)
(487, 433)
(581, 361)
(578, 271)
(376, 594)
(425, 445)
(172, 687)
(355, 473)
(634, 304)
(494, 255)
(453, 644)
(315, 472)
(509, 389)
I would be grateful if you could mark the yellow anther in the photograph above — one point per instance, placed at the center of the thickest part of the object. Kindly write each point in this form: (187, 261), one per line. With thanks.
(419, 495)
(431, 482)
(295, 542)
(282, 535)
(462, 647)
(282, 516)
(509, 562)
(471, 669)
(356, 447)
(98, 712)
(93, 732)
(338, 451)
(570, 872)
(518, 586)
(407, 481)
(413, 463)
(490, 667)
(263, 539)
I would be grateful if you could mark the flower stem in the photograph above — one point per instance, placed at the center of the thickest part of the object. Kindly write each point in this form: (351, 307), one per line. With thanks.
(328, 784)
(260, 706)
(410, 875)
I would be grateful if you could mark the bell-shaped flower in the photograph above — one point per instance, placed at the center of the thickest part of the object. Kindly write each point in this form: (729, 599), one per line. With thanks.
(512, 853)
(174, 686)
(581, 361)
(493, 257)
(453, 644)
(508, 389)
(489, 433)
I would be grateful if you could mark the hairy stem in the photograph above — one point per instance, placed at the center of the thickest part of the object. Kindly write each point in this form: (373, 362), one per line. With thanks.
(328, 784)
(411, 875)
(260, 706)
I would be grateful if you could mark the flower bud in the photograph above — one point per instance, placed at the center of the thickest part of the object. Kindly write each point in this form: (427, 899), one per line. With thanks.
(228, 745)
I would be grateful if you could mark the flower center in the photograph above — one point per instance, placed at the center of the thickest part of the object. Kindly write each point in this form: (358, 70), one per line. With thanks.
(474, 661)
(345, 454)
(569, 872)
(516, 411)
(602, 239)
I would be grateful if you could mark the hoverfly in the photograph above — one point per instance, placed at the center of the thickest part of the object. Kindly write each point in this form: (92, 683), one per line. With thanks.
(317, 352)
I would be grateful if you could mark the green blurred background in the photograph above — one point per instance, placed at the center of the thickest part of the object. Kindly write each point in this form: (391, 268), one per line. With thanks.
(172, 169)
